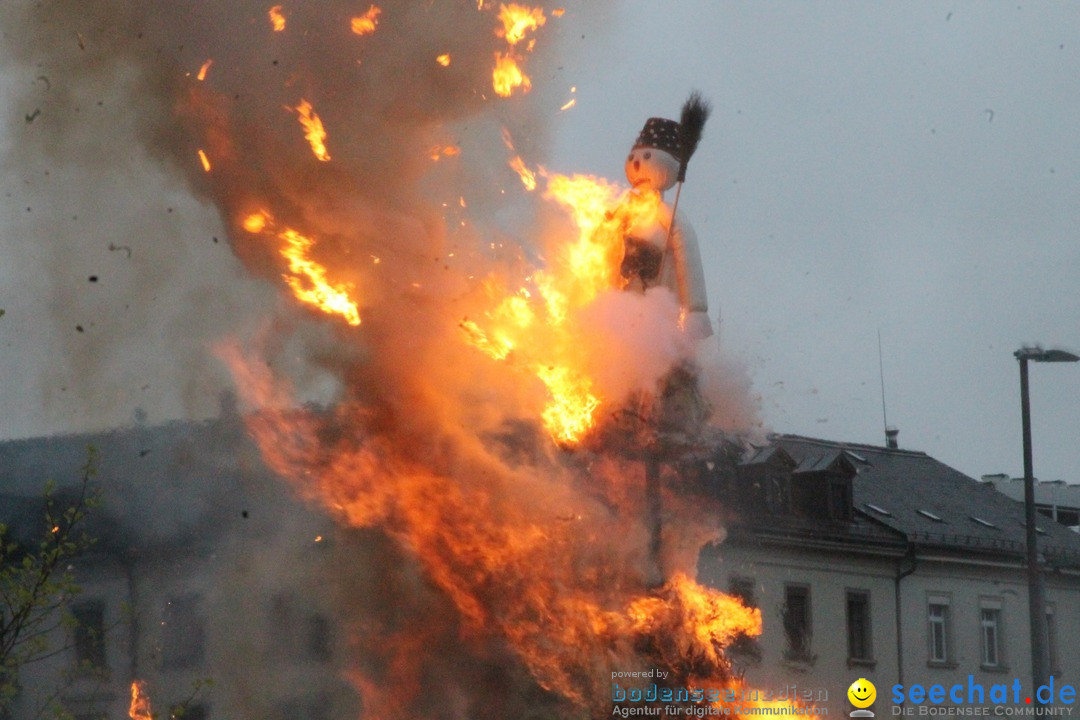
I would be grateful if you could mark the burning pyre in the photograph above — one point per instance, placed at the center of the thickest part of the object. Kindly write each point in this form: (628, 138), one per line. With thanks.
(479, 371)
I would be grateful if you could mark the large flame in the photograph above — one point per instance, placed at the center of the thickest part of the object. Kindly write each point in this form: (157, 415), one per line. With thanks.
(470, 411)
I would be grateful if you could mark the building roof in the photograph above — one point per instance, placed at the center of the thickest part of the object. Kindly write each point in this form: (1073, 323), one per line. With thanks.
(932, 504)
(179, 482)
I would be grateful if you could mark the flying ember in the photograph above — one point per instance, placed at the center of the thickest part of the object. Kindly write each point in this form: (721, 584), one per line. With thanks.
(313, 130)
(277, 20)
(518, 20)
(365, 24)
(507, 76)
(308, 280)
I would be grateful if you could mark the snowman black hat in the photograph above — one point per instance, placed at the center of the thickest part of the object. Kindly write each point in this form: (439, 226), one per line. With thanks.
(679, 139)
(661, 134)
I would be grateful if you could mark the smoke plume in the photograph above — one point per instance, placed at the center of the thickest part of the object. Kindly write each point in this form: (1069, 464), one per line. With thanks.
(512, 571)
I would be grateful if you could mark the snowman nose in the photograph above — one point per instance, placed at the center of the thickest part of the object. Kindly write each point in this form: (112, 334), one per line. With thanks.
(637, 164)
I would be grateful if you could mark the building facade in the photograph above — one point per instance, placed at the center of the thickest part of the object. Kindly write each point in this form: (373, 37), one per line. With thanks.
(886, 564)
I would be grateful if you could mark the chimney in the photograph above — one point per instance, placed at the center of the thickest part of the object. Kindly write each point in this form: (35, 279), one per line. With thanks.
(891, 431)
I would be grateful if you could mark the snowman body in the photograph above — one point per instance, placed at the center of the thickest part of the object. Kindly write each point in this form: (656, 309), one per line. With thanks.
(662, 250)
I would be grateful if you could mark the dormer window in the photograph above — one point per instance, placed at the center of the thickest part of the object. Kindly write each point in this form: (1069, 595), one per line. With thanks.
(840, 500)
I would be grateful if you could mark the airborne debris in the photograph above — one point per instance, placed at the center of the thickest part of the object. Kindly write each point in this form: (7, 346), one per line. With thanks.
(31, 116)
(125, 248)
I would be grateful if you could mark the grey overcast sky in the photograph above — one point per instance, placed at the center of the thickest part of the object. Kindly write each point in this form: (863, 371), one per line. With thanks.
(912, 167)
(908, 167)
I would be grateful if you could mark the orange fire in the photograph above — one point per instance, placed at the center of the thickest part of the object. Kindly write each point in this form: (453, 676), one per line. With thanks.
(528, 177)
(256, 222)
(308, 280)
(578, 271)
(204, 69)
(365, 24)
(140, 703)
(507, 76)
(277, 20)
(517, 20)
(569, 413)
(313, 130)
(461, 381)
(437, 152)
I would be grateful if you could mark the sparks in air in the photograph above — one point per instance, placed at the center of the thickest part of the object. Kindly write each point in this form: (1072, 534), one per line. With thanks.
(204, 69)
(313, 130)
(277, 20)
(443, 59)
(365, 24)
(518, 20)
(515, 21)
(204, 160)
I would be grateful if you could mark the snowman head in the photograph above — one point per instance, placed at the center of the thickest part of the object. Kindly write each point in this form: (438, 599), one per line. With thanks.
(654, 160)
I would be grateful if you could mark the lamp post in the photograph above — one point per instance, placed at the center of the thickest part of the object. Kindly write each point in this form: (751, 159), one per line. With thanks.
(1036, 609)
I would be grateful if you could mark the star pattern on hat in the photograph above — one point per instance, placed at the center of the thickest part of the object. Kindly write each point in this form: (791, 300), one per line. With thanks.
(662, 134)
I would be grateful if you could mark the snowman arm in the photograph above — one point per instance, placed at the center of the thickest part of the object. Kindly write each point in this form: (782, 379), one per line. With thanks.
(689, 275)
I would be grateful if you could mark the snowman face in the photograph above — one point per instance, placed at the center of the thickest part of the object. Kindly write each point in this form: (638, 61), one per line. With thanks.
(653, 168)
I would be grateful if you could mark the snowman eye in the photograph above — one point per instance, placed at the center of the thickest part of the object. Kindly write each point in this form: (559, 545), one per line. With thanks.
(630, 157)
(648, 155)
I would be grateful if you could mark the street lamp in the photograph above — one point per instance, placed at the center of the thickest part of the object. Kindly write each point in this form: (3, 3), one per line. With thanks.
(1034, 576)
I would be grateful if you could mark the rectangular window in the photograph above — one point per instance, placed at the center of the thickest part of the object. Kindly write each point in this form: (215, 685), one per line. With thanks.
(182, 633)
(938, 618)
(796, 614)
(990, 631)
(744, 650)
(858, 625)
(89, 643)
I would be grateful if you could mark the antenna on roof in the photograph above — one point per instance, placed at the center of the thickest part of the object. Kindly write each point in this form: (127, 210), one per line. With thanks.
(890, 431)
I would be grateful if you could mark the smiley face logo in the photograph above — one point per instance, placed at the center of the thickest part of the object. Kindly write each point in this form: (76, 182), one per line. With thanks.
(862, 693)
